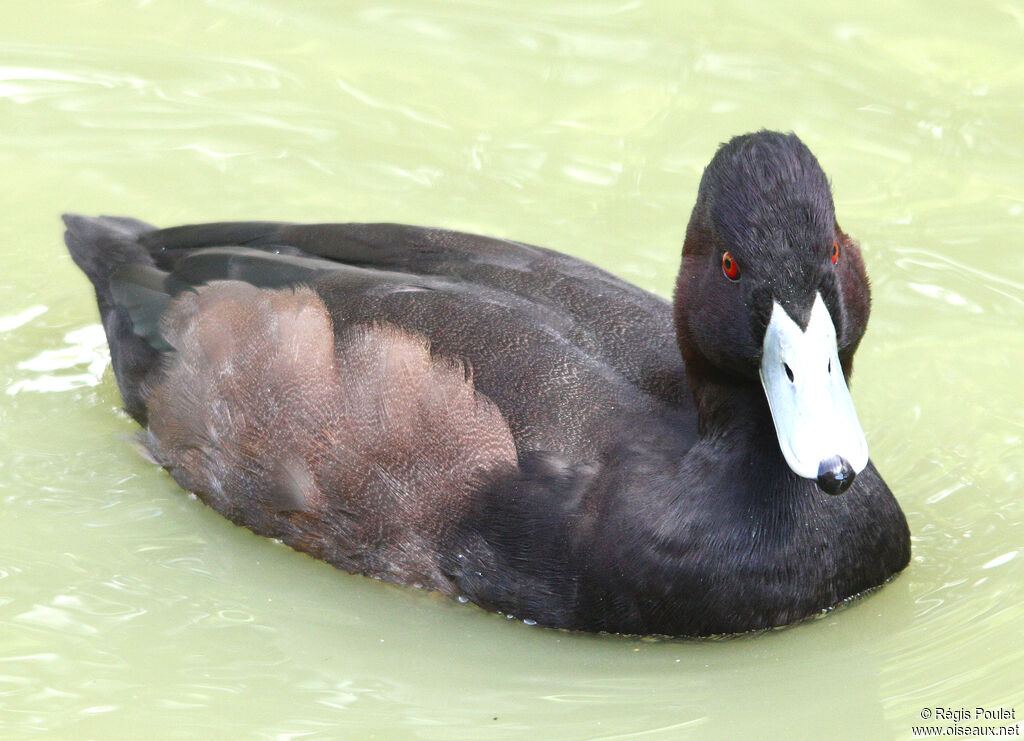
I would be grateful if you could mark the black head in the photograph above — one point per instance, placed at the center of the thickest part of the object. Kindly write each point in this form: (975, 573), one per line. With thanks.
(763, 242)
(766, 204)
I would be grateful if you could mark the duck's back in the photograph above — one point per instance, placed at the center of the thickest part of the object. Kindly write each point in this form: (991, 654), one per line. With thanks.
(567, 351)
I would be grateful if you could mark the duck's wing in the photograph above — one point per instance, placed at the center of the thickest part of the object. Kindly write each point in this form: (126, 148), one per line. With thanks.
(620, 324)
(550, 366)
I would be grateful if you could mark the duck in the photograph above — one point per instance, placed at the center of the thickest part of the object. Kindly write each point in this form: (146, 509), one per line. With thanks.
(516, 427)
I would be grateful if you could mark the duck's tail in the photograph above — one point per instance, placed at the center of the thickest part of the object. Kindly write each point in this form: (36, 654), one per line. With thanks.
(131, 294)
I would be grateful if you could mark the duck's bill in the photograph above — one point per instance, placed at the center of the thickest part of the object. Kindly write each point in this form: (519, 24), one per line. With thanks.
(819, 433)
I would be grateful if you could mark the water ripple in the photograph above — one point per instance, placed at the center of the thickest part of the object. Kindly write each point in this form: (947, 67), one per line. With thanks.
(84, 347)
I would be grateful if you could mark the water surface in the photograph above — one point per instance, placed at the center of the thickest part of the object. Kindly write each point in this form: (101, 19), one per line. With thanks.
(129, 610)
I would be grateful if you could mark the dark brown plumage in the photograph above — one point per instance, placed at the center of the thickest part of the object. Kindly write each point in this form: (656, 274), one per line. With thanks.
(501, 421)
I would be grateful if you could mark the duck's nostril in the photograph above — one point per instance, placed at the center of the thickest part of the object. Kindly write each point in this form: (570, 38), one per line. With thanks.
(789, 371)
(835, 475)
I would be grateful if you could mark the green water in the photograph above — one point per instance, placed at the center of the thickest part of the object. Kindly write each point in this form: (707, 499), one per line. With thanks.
(128, 610)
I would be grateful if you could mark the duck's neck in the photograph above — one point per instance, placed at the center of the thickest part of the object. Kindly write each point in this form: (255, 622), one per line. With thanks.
(727, 405)
(737, 435)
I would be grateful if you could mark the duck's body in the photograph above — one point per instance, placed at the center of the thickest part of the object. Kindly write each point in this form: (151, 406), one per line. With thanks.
(550, 455)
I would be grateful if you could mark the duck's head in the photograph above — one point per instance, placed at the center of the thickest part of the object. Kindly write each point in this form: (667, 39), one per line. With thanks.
(771, 291)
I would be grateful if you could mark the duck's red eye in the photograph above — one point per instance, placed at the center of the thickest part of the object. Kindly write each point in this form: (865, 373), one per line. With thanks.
(835, 252)
(730, 267)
